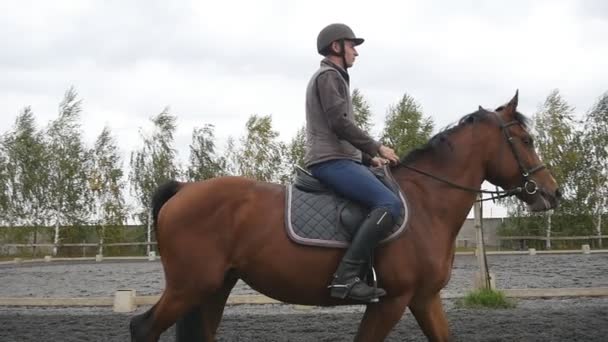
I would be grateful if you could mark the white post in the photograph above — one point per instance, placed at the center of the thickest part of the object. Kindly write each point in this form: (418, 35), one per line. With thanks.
(56, 240)
(599, 230)
(103, 233)
(149, 231)
(548, 242)
(480, 249)
(586, 249)
(124, 301)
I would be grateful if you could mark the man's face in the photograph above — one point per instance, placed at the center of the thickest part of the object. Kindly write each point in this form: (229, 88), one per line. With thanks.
(351, 53)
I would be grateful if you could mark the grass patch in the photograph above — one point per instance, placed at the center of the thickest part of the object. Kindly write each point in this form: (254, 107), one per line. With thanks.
(485, 298)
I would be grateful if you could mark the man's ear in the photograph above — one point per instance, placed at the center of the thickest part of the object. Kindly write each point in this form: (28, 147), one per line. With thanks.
(336, 47)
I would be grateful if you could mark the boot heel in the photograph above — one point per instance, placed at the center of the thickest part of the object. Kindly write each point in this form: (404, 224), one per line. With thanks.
(339, 291)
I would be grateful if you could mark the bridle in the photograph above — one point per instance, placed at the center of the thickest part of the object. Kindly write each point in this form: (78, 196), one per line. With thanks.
(530, 186)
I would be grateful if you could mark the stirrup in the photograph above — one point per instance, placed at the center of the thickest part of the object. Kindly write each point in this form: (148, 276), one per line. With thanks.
(343, 291)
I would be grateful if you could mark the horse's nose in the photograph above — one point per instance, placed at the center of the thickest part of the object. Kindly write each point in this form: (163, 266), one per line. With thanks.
(558, 193)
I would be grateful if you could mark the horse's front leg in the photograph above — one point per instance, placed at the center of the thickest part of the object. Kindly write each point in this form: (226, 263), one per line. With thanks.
(429, 313)
(380, 318)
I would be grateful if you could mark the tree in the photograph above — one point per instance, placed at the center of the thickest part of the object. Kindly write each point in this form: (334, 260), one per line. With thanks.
(260, 155)
(297, 148)
(204, 163)
(4, 189)
(406, 127)
(154, 164)
(106, 182)
(362, 111)
(25, 173)
(554, 128)
(293, 154)
(231, 158)
(594, 172)
(70, 203)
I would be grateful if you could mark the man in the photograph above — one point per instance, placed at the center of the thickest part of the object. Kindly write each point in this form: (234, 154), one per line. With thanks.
(336, 150)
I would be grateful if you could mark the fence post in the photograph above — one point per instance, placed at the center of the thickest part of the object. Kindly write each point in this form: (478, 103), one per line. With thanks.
(103, 233)
(548, 242)
(586, 249)
(56, 239)
(483, 276)
(599, 230)
(149, 232)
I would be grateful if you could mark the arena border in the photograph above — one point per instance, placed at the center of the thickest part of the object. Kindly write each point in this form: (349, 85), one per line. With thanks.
(258, 299)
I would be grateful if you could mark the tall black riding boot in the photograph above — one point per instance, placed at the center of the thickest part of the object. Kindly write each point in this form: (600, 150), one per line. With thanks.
(347, 279)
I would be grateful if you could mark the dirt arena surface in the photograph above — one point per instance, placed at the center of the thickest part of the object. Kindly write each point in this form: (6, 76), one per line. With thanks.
(570, 319)
(91, 279)
(574, 319)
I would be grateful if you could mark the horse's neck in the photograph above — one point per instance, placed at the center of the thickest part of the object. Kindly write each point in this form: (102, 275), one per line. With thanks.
(446, 205)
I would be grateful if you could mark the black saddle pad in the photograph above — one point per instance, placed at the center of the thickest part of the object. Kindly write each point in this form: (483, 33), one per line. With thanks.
(319, 217)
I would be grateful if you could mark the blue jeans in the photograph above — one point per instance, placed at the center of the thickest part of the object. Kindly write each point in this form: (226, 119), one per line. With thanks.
(356, 182)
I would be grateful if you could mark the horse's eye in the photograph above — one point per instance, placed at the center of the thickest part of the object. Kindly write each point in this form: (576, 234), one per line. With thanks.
(528, 141)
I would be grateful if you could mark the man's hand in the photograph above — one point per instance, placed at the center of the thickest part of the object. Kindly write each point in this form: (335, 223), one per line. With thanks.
(378, 161)
(388, 153)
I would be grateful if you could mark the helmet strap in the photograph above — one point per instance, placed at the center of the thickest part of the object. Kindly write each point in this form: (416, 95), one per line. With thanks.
(343, 54)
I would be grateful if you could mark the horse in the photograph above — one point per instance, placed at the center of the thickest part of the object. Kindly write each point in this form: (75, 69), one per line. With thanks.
(214, 232)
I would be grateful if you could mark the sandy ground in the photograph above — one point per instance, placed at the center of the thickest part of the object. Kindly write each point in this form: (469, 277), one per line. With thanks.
(67, 279)
(575, 319)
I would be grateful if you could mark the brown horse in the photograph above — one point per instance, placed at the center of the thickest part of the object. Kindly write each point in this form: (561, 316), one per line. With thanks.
(215, 232)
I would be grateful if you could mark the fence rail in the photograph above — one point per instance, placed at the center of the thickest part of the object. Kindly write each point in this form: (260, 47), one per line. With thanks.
(130, 302)
(113, 244)
(552, 238)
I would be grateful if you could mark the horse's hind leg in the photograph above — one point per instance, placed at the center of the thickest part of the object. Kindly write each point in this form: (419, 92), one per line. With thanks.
(201, 323)
(184, 291)
(172, 305)
(431, 317)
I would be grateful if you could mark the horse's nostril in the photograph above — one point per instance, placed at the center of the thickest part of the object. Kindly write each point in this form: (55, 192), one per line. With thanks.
(558, 193)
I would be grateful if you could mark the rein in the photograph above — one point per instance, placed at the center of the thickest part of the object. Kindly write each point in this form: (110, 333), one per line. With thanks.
(497, 194)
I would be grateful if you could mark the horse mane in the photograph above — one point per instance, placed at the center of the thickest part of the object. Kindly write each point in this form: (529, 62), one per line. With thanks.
(440, 138)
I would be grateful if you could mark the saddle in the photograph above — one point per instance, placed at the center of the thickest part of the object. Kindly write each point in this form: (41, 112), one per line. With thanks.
(317, 216)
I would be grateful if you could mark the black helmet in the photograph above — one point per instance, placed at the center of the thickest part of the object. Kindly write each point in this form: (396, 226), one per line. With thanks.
(334, 32)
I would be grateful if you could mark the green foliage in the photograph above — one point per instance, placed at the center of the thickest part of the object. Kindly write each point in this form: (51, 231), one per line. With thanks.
(70, 202)
(5, 202)
(592, 170)
(363, 114)
(554, 139)
(25, 172)
(231, 158)
(293, 154)
(406, 127)
(204, 162)
(486, 298)
(297, 148)
(154, 164)
(106, 182)
(261, 153)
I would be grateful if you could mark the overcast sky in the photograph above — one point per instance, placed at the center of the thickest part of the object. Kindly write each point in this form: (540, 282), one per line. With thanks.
(219, 62)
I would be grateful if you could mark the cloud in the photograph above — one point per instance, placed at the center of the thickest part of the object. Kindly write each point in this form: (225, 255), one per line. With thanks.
(219, 62)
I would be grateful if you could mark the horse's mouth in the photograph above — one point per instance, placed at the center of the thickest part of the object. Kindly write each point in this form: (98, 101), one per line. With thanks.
(542, 201)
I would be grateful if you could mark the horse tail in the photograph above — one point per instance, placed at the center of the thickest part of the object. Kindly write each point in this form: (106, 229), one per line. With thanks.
(162, 194)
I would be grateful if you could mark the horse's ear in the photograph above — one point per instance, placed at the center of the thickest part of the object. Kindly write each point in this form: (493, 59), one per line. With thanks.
(510, 108)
